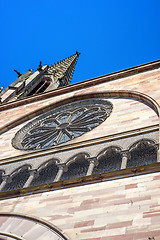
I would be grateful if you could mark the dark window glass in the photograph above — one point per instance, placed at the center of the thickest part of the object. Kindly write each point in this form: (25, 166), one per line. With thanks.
(1, 180)
(18, 180)
(46, 175)
(108, 162)
(41, 87)
(143, 154)
(76, 169)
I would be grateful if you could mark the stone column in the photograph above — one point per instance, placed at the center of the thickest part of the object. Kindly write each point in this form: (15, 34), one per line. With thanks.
(158, 153)
(93, 162)
(33, 174)
(125, 157)
(6, 179)
(62, 168)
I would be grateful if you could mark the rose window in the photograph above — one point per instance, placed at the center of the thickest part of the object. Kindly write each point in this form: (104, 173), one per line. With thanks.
(62, 124)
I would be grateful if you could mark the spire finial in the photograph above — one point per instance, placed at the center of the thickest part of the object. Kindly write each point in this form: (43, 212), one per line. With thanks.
(78, 53)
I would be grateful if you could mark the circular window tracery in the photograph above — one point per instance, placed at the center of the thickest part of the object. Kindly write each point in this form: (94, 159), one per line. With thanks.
(62, 124)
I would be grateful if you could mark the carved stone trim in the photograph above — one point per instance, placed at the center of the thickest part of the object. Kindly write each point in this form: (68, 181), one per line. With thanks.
(62, 124)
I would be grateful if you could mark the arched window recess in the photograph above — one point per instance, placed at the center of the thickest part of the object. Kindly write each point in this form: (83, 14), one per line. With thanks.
(77, 166)
(46, 173)
(41, 87)
(17, 178)
(109, 159)
(143, 152)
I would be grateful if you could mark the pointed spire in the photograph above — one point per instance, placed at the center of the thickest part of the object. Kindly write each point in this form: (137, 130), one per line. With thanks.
(44, 79)
(63, 70)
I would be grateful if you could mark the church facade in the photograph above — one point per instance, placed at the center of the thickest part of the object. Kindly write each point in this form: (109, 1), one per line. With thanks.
(80, 161)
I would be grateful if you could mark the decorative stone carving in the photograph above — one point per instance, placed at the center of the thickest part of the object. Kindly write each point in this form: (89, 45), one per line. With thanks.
(62, 124)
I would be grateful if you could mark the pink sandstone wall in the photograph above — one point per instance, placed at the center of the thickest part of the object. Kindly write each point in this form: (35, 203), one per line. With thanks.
(127, 114)
(124, 209)
(147, 83)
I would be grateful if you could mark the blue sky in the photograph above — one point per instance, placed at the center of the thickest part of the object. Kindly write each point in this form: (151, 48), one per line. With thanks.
(110, 35)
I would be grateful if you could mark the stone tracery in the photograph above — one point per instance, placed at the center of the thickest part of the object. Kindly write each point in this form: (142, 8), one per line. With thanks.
(62, 124)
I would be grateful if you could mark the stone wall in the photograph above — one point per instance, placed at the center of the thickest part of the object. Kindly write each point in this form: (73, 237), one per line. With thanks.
(127, 209)
(128, 113)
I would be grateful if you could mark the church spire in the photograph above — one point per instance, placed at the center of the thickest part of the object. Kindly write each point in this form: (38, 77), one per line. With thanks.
(64, 69)
(45, 78)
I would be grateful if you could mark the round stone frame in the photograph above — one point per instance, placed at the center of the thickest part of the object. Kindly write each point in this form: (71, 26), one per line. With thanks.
(62, 124)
